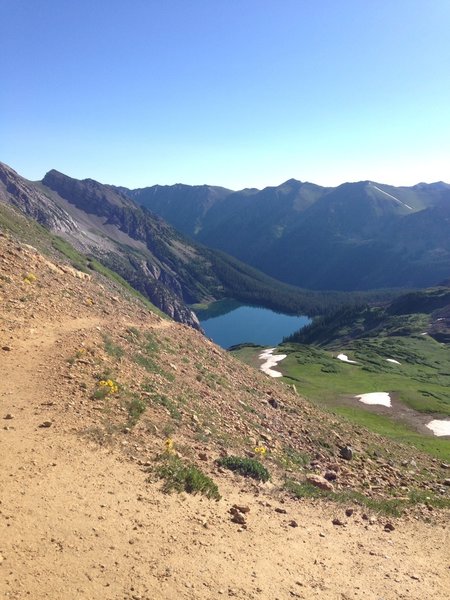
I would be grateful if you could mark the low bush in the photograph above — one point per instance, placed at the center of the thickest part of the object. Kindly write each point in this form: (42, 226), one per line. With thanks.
(181, 477)
(249, 467)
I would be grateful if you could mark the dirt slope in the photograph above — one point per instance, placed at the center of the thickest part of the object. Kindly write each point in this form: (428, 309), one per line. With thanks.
(78, 518)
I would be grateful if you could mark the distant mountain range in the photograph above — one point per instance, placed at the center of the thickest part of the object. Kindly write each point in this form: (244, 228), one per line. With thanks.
(357, 236)
(101, 222)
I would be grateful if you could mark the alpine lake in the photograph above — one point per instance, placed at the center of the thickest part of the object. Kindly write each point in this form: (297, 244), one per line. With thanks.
(229, 323)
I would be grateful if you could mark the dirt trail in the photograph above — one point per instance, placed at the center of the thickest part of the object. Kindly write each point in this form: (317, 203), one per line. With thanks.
(79, 522)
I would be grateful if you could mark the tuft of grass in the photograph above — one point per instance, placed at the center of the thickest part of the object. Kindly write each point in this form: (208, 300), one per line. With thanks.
(248, 467)
(111, 348)
(169, 405)
(181, 477)
(391, 506)
(150, 365)
(293, 459)
(136, 407)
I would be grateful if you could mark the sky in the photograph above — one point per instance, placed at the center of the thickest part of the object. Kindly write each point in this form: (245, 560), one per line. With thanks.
(238, 93)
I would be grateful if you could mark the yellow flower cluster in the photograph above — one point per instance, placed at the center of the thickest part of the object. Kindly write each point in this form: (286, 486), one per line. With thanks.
(30, 278)
(169, 446)
(110, 385)
(261, 450)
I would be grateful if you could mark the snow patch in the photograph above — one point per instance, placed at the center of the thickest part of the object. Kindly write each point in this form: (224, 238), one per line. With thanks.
(391, 196)
(439, 427)
(345, 358)
(271, 361)
(381, 398)
(392, 360)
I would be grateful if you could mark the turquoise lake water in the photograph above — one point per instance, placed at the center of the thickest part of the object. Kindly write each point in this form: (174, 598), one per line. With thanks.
(251, 324)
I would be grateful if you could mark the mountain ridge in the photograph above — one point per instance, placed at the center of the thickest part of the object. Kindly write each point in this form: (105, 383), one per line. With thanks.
(312, 236)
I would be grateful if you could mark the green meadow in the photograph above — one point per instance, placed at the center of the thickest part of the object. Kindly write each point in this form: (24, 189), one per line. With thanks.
(421, 382)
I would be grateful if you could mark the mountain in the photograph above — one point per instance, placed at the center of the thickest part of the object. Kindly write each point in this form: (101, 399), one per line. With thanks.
(357, 236)
(104, 224)
(183, 206)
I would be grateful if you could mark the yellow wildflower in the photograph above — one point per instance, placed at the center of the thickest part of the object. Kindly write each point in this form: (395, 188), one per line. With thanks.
(110, 385)
(29, 278)
(169, 446)
(261, 450)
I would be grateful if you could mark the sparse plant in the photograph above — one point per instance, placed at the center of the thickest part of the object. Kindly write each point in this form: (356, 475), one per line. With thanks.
(248, 467)
(111, 348)
(136, 407)
(106, 387)
(181, 477)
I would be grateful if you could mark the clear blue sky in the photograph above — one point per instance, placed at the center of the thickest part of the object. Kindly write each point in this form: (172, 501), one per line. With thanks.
(239, 93)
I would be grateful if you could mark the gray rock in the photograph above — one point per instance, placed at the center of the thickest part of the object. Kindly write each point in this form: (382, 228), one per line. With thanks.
(346, 453)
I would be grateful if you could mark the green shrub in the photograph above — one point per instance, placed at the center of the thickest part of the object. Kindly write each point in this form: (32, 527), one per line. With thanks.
(182, 477)
(249, 467)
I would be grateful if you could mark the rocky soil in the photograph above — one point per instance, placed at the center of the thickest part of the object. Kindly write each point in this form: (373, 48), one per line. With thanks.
(82, 514)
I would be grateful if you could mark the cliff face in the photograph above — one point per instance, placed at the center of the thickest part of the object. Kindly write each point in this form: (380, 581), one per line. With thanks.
(29, 199)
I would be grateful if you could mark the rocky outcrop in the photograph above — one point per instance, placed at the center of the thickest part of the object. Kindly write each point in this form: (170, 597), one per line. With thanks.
(29, 199)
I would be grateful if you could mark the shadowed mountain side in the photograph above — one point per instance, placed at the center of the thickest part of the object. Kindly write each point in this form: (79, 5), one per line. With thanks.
(356, 236)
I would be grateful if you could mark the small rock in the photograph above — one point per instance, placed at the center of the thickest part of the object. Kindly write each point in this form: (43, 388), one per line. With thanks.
(202, 456)
(337, 521)
(389, 527)
(238, 518)
(46, 424)
(349, 512)
(293, 523)
(330, 475)
(282, 511)
(415, 577)
(9, 416)
(240, 508)
(7, 348)
(273, 403)
(445, 466)
(446, 481)
(320, 482)
(346, 453)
